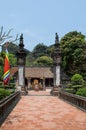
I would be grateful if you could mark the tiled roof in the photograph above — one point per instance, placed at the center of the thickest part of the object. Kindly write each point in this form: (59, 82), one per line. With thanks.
(35, 72)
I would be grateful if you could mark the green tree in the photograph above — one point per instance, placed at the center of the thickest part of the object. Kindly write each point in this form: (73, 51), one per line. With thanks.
(73, 53)
(77, 79)
(50, 50)
(43, 61)
(29, 59)
(12, 59)
(39, 50)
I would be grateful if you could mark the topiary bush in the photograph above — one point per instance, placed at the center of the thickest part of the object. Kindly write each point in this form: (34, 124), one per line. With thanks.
(77, 79)
(76, 83)
(81, 92)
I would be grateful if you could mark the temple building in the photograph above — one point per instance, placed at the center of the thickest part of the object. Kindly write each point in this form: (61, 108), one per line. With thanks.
(41, 76)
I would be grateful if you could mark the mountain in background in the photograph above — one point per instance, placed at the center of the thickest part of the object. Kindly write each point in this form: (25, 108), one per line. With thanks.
(13, 48)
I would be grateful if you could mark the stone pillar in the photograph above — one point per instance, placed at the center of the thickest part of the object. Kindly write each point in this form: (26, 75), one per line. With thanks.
(56, 66)
(44, 83)
(49, 82)
(21, 59)
(54, 72)
(29, 82)
(57, 75)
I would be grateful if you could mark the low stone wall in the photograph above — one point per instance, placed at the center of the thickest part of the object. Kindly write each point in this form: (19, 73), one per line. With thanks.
(76, 100)
(7, 104)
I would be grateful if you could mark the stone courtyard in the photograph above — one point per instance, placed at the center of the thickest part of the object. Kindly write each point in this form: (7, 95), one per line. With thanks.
(41, 111)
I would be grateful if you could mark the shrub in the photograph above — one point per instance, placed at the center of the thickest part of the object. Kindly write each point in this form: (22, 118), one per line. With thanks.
(69, 90)
(4, 93)
(7, 92)
(0, 83)
(81, 92)
(77, 79)
(76, 87)
(69, 85)
(12, 85)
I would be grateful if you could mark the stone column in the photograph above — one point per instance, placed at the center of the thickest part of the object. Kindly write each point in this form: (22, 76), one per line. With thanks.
(56, 65)
(44, 83)
(54, 72)
(21, 60)
(29, 82)
(57, 75)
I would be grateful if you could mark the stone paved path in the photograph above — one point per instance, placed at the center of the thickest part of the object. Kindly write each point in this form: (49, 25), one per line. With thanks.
(44, 113)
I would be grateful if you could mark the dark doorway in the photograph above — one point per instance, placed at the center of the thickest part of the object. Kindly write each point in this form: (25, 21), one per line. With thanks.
(49, 82)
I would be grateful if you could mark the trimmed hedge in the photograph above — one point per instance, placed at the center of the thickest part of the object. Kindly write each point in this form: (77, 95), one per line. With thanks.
(77, 79)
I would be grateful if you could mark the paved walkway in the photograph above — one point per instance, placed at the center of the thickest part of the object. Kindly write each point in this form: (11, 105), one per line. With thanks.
(44, 113)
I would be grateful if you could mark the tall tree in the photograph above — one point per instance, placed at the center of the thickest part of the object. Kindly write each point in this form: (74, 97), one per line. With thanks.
(39, 50)
(73, 53)
(43, 61)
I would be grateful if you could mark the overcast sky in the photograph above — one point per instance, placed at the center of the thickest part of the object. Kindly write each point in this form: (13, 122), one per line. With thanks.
(39, 20)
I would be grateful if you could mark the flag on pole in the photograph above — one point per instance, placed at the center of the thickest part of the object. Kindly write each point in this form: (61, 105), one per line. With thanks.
(6, 76)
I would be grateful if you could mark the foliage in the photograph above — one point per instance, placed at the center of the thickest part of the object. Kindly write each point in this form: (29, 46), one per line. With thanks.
(81, 92)
(73, 53)
(43, 61)
(12, 59)
(50, 50)
(12, 48)
(4, 93)
(1, 72)
(69, 90)
(76, 83)
(77, 79)
(73, 89)
(12, 85)
(39, 50)
(76, 87)
(29, 59)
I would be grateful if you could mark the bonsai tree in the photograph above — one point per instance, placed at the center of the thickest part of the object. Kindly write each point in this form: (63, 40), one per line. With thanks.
(77, 82)
(77, 79)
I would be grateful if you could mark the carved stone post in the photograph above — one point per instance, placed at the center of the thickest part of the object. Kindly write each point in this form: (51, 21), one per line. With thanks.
(29, 82)
(44, 83)
(56, 65)
(21, 60)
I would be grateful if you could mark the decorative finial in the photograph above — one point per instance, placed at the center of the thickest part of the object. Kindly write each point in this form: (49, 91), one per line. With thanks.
(56, 38)
(21, 45)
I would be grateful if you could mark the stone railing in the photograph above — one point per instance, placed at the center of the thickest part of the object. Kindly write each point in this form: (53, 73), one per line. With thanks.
(7, 104)
(76, 100)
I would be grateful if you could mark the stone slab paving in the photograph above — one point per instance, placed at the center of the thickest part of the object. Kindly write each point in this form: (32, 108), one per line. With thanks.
(44, 113)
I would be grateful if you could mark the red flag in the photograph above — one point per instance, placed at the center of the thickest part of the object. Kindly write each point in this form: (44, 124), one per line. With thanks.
(6, 69)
